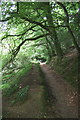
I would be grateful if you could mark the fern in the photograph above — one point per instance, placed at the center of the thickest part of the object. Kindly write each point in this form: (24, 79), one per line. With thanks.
(21, 94)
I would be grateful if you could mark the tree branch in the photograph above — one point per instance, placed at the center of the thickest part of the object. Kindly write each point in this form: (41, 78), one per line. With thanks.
(19, 34)
(15, 52)
(32, 39)
(65, 10)
(35, 22)
(6, 19)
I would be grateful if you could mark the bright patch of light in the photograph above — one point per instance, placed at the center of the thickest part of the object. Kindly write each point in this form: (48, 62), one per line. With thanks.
(33, 0)
(5, 49)
(4, 26)
(77, 10)
(8, 1)
(1, 35)
(44, 18)
(13, 8)
(13, 31)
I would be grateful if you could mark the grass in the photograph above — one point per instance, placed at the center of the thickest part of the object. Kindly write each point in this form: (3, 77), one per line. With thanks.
(21, 95)
(11, 83)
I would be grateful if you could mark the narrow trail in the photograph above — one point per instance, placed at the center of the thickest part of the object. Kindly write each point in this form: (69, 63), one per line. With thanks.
(67, 98)
(32, 107)
(64, 106)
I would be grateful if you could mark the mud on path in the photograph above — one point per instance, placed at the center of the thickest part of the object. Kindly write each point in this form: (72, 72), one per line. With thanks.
(66, 97)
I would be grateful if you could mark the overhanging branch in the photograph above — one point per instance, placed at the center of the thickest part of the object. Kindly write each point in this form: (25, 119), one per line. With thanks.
(34, 22)
(15, 52)
(19, 34)
(8, 18)
(32, 39)
(65, 10)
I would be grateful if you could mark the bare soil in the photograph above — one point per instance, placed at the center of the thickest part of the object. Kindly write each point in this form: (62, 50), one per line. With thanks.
(66, 96)
(64, 106)
(33, 106)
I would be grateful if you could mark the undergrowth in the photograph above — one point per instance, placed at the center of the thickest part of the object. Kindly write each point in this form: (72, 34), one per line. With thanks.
(68, 68)
(11, 82)
(21, 95)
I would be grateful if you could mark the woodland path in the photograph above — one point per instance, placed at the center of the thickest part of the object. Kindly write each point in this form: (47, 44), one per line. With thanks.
(33, 107)
(66, 97)
(64, 105)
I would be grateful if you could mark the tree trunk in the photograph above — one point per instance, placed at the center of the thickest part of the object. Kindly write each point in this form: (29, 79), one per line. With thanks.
(52, 49)
(74, 40)
(68, 26)
(52, 30)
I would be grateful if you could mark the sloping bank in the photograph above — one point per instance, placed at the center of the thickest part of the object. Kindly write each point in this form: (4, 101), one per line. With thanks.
(66, 102)
(68, 69)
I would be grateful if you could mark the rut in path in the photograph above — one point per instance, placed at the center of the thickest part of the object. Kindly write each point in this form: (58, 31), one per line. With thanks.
(67, 98)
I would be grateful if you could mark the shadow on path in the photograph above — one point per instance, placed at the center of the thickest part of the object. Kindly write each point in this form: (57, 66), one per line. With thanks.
(67, 98)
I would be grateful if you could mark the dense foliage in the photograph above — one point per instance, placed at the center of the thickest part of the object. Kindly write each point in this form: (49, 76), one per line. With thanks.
(33, 31)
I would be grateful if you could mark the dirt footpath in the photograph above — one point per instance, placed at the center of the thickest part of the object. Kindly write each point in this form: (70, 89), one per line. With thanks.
(66, 97)
(32, 106)
(64, 106)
